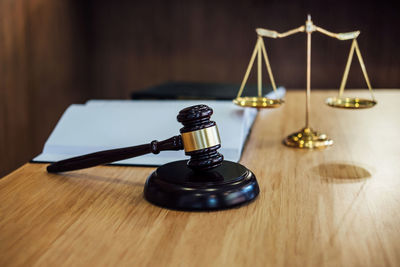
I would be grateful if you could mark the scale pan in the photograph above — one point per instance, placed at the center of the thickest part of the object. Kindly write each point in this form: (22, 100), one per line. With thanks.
(350, 102)
(258, 102)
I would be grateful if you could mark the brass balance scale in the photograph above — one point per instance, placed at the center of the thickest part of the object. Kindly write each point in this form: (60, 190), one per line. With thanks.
(306, 137)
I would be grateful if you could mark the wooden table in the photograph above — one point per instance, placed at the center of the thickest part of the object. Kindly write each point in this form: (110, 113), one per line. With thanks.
(334, 207)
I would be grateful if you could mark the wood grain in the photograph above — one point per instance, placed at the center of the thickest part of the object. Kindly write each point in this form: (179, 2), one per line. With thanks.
(55, 53)
(332, 207)
(137, 44)
(41, 74)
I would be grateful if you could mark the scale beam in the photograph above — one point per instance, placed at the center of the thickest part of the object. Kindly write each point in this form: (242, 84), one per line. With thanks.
(340, 36)
(274, 34)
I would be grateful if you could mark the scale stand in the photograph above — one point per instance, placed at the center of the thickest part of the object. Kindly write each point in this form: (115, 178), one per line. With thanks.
(306, 137)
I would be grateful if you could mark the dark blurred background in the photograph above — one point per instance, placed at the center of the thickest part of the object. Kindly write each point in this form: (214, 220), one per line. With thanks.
(55, 53)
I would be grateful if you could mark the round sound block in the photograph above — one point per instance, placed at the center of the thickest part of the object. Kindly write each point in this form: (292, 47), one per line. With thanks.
(176, 186)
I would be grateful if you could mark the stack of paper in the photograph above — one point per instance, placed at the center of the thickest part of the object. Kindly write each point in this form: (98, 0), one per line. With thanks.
(108, 124)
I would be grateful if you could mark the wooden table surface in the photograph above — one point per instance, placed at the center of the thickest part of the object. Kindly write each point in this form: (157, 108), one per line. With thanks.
(334, 207)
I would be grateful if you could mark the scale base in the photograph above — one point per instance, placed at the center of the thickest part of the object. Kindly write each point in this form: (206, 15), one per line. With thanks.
(308, 138)
(176, 186)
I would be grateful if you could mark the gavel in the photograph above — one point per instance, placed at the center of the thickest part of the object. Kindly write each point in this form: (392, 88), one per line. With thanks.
(199, 138)
(204, 182)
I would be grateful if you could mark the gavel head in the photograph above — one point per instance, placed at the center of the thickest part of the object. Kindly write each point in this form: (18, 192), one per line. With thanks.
(200, 137)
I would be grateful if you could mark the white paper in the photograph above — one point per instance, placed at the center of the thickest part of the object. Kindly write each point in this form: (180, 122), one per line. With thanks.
(108, 124)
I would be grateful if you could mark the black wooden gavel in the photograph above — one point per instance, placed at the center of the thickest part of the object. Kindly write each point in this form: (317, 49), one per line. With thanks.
(199, 138)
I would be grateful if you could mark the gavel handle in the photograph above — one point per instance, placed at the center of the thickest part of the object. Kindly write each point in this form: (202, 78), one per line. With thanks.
(107, 156)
